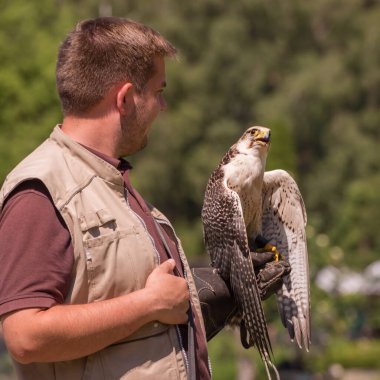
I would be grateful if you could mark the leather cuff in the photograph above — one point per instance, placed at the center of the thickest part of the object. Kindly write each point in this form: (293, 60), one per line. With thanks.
(217, 302)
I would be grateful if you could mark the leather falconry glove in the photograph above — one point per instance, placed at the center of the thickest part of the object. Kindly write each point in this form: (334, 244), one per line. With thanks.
(216, 299)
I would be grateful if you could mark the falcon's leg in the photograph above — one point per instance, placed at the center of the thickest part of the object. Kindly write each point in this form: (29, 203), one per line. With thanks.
(252, 245)
(259, 254)
(261, 244)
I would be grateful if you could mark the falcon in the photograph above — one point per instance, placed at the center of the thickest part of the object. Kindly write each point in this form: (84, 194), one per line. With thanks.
(244, 206)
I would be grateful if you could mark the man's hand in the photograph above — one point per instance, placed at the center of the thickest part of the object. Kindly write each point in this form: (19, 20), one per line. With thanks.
(171, 294)
(67, 332)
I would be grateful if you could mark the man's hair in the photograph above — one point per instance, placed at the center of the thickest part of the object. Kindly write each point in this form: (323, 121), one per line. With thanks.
(102, 52)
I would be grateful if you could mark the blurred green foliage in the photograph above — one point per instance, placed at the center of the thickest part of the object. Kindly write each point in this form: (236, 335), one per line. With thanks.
(30, 33)
(364, 354)
(308, 70)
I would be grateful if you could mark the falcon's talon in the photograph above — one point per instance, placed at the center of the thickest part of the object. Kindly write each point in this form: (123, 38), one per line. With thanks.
(277, 255)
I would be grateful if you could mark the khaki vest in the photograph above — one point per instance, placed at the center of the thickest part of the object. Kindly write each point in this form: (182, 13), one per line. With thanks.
(114, 255)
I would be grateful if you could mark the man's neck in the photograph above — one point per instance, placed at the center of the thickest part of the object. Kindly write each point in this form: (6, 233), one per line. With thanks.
(93, 132)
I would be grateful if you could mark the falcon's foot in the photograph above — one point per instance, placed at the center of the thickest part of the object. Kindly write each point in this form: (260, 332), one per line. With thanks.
(271, 248)
(262, 245)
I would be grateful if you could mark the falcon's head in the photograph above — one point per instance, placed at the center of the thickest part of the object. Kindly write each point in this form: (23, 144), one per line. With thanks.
(254, 139)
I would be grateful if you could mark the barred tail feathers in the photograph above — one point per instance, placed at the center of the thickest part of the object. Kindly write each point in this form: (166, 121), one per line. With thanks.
(244, 285)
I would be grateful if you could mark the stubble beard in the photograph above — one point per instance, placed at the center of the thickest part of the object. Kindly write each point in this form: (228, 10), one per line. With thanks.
(132, 139)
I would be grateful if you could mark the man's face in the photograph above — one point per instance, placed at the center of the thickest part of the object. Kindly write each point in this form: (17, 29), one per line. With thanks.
(148, 104)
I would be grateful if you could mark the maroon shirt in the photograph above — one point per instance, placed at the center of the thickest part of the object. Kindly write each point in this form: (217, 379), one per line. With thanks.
(36, 254)
(33, 232)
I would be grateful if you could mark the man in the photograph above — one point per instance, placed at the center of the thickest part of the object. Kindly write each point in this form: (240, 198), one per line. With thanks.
(94, 283)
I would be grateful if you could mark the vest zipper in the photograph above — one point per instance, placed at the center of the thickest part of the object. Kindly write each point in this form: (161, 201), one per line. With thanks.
(180, 343)
(163, 221)
(144, 225)
(185, 355)
(181, 348)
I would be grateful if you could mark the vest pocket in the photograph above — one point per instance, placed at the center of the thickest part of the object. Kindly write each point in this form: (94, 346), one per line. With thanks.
(97, 222)
(117, 263)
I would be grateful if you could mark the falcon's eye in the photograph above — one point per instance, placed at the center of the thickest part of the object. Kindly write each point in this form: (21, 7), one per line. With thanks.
(253, 131)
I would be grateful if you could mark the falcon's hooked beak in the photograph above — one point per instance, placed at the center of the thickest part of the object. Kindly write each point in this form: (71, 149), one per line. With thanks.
(260, 135)
(263, 136)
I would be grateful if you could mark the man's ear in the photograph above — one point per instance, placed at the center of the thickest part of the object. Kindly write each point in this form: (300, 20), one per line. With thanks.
(124, 98)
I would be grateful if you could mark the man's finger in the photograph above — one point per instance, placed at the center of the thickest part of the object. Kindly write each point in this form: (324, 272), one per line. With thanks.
(167, 266)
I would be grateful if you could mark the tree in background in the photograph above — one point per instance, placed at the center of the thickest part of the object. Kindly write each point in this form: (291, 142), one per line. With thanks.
(30, 33)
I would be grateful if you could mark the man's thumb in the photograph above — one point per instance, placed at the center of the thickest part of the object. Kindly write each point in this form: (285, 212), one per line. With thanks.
(167, 266)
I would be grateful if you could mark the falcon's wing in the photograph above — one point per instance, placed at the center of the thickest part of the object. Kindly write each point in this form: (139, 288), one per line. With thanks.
(284, 222)
(226, 241)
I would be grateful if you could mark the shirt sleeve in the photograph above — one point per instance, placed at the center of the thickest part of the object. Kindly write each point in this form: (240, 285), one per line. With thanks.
(36, 253)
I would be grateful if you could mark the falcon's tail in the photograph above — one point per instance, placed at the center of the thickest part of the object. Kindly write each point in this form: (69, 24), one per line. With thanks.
(244, 286)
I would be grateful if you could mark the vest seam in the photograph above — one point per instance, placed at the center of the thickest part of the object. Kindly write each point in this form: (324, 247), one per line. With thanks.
(77, 191)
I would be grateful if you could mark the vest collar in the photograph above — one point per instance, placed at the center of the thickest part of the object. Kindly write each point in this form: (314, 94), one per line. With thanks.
(102, 168)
